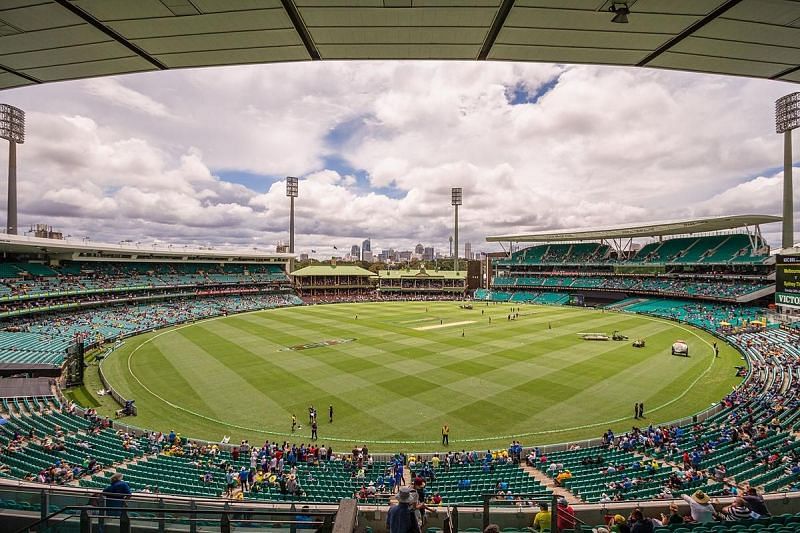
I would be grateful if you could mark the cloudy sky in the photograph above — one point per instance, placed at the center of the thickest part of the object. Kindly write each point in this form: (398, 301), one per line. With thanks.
(199, 155)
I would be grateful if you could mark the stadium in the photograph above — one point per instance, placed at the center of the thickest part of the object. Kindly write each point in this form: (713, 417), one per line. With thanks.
(634, 376)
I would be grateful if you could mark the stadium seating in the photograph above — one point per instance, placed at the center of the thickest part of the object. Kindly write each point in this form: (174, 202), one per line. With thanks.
(33, 280)
(706, 315)
(712, 249)
(44, 339)
(32, 348)
(668, 286)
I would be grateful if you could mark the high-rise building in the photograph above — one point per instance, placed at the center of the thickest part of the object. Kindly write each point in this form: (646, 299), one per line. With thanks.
(419, 249)
(468, 251)
(428, 253)
(366, 246)
(366, 256)
(355, 252)
(404, 255)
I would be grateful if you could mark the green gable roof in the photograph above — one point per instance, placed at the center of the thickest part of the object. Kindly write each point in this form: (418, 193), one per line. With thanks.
(332, 270)
(422, 274)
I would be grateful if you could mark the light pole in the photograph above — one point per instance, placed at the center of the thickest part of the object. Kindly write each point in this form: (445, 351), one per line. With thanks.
(455, 200)
(12, 129)
(291, 192)
(787, 118)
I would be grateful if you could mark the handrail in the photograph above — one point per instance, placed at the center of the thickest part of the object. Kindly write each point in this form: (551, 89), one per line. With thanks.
(224, 514)
(538, 497)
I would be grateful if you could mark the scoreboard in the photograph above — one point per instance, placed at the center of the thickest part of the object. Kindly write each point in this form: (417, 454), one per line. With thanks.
(787, 280)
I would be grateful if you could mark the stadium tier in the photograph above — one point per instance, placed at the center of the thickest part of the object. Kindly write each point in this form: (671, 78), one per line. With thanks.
(705, 250)
(720, 289)
(750, 441)
(43, 339)
(27, 280)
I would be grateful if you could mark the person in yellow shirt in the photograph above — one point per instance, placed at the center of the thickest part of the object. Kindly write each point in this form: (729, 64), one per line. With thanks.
(445, 435)
(562, 477)
(542, 519)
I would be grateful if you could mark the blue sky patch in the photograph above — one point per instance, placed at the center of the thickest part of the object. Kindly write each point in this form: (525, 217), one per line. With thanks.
(519, 94)
(362, 186)
(259, 183)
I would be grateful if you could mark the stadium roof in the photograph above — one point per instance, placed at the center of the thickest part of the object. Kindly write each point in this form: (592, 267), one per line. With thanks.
(652, 229)
(332, 270)
(77, 249)
(422, 273)
(52, 40)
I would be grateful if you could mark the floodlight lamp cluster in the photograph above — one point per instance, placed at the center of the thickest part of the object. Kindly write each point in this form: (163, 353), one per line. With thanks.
(456, 196)
(621, 12)
(787, 112)
(12, 124)
(291, 187)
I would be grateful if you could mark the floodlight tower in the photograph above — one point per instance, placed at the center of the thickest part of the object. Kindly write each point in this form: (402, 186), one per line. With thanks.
(455, 200)
(291, 192)
(787, 118)
(12, 129)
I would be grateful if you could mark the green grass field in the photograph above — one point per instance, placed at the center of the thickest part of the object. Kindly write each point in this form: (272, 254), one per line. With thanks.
(403, 375)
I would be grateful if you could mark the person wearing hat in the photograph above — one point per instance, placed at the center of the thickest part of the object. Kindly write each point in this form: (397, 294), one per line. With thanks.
(700, 506)
(116, 494)
(401, 517)
(618, 524)
(565, 515)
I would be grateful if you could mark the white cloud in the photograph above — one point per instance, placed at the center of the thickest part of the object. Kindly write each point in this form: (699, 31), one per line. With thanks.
(116, 93)
(378, 146)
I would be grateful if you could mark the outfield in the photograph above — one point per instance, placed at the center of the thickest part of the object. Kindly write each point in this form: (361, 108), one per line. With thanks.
(396, 371)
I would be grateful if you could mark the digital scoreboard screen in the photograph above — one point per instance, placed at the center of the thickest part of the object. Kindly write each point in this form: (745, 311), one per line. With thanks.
(787, 280)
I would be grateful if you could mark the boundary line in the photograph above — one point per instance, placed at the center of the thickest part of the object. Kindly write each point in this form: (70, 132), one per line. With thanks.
(469, 439)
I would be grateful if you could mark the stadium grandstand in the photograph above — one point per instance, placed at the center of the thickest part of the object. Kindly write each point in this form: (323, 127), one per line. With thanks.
(422, 283)
(334, 282)
(733, 466)
(91, 295)
(714, 259)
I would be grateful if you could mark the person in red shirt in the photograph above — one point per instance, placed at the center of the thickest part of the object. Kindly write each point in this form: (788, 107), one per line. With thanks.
(566, 515)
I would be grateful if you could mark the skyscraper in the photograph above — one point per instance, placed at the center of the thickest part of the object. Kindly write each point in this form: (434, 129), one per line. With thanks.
(428, 254)
(467, 251)
(365, 247)
(419, 249)
(355, 252)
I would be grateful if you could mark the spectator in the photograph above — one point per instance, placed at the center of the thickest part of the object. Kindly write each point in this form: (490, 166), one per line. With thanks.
(116, 494)
(401, 517)
(700, 506)
(640, 524)
(755, 502)
(565, 515)
(542, 519)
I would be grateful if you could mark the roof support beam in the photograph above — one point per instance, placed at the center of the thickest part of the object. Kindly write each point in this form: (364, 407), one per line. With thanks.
(783, 73)
(301, 29)
(494, 30)
(719, 11)
(20, 74)
(96, 24)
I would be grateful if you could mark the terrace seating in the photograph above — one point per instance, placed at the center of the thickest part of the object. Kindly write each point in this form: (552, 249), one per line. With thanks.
(38, 339)
(36, 280)
(32, 348)
(729, 290)
(705, 315)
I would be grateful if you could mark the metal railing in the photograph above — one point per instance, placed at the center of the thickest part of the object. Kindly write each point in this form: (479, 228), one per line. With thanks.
(531, 499)
(88, 516)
